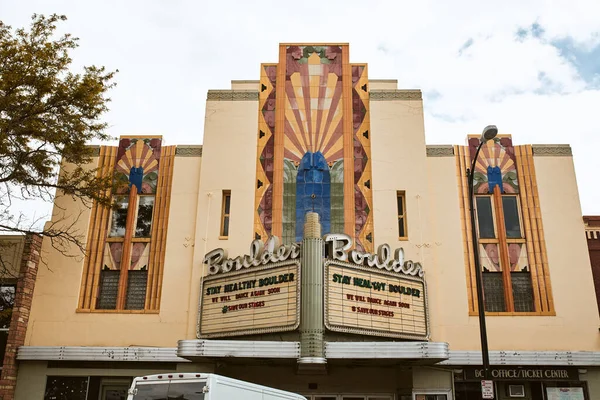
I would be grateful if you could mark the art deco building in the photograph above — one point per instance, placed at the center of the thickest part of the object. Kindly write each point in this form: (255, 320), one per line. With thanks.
(315, 243)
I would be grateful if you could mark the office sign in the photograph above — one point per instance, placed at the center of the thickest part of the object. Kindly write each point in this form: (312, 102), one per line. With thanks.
(524, 373)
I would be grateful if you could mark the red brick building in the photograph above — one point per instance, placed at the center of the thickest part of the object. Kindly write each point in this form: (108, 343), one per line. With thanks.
(19, 260)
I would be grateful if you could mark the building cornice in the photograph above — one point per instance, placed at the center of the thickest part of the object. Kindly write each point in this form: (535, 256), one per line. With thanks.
(188, 151)
(232, 95)
(552, 150)
(384, 80)
(440, 150)
(406, 94)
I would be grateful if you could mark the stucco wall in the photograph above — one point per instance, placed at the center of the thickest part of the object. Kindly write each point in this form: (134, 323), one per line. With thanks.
(432, 378)
(229, 163)
(445, 270)
(399, 163)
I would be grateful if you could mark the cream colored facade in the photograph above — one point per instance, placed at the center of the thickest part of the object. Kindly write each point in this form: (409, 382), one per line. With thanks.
(401, 161)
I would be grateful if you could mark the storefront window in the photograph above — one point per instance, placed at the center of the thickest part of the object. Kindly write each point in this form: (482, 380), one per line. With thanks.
(88, 388)
(503, 255)
(565, 390)
(467, 390)
(66, 388)
(7, 301)
(467, 386)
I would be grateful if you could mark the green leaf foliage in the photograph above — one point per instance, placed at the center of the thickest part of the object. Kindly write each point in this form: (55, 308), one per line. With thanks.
(49, 114)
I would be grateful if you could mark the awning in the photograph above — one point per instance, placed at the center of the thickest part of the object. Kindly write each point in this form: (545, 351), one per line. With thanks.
(90, 353)
(514, 357)
(429, 352)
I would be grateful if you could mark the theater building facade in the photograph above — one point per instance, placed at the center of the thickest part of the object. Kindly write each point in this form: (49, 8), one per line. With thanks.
(315, 243)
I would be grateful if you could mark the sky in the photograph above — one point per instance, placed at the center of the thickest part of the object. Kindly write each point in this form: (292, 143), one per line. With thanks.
(530, 67)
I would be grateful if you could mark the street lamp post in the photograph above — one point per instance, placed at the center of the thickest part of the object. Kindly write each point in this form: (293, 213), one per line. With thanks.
(488, 133)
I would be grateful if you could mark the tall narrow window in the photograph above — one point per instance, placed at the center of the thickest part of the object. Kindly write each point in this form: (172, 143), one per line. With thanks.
(485, 217)
(401, 203)
(119, 217)
(511, 217)
(225, 212)
(124, 274)
(503, 255)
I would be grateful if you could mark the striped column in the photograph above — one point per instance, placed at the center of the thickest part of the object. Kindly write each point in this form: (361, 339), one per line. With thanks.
(311, 317)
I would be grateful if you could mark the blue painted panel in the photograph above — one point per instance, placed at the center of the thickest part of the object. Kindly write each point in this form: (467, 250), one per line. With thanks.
(313, 179)
(494, 176)
(136, 175)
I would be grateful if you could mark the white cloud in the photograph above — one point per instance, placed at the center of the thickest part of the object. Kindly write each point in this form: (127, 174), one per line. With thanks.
(170, 53)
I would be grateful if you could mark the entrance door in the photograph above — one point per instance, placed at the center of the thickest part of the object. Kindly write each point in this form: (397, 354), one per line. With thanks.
(114, 391)
(432, 395)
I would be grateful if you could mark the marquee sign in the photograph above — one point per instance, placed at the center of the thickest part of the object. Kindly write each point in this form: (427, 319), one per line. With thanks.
(253, 294)
(375, 294)
(367, 294)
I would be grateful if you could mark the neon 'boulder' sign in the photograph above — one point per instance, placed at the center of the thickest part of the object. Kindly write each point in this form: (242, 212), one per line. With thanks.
(260, 254)
(339, 244)
(338, 248)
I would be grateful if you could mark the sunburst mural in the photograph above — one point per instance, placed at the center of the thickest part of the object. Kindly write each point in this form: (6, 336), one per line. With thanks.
(137, 165)
(313, 108)
(313, 145)
(495, 165)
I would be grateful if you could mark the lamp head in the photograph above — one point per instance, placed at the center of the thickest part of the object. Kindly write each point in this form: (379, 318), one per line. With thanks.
(489, 132)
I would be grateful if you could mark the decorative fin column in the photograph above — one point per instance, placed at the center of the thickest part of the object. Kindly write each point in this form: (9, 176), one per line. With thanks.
(311, 318)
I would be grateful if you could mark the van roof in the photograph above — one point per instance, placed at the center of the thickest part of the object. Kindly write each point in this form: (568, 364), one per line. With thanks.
(214, 379)
(171, 375)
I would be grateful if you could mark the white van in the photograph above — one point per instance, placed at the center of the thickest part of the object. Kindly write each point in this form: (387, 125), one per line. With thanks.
(192, 386)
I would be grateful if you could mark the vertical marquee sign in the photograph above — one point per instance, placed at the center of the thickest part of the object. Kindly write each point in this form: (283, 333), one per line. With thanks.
(253, 294)
(373, 294)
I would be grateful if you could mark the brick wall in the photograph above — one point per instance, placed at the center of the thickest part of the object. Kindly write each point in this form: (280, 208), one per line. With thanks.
(592, 230)
(20, 315)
